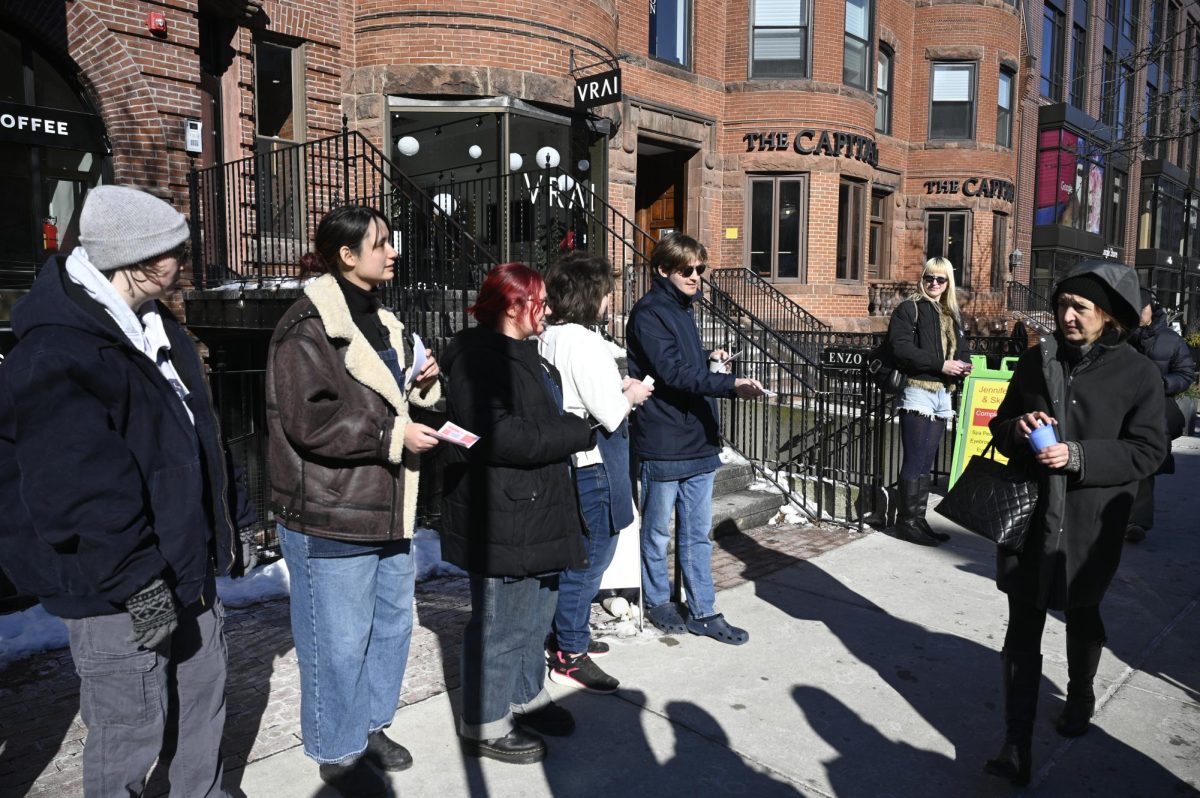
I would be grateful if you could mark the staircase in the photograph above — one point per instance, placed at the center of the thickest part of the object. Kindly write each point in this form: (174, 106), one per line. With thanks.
(736, 508)
(1028, 307)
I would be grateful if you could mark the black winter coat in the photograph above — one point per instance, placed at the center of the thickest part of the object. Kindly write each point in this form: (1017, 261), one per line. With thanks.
(1111, 403)
(680, 420)
(915, 337)
(105, 484)
(510, 506)
(1168, 351)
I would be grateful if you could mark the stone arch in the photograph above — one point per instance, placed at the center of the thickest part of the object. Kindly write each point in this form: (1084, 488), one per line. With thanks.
(123, 99)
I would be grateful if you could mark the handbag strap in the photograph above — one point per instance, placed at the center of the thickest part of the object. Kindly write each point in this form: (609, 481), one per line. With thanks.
(991, 447)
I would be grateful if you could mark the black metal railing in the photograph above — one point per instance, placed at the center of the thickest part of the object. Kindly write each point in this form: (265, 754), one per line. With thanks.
(1030, 306)
(252, 219)
(764, 300)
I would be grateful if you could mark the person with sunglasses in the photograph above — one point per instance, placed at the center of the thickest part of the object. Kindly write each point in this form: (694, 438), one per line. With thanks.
(676, 436)
(926, 338)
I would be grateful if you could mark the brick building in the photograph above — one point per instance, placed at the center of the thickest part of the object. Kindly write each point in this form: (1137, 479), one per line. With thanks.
(827, 145)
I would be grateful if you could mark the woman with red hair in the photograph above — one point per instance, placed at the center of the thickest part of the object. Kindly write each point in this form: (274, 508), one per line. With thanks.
(511, 516)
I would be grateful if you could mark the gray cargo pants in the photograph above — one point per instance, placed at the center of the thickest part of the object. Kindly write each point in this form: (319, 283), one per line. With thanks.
(132, 700)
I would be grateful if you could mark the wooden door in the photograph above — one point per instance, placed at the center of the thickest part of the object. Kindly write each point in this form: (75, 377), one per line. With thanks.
(661, 196)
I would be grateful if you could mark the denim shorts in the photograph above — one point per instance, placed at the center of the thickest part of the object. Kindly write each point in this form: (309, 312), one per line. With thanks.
(931, 404)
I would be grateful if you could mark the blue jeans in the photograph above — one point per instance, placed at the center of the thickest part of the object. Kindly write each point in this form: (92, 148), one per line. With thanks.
(503, 662)
(691, 499)
(352, 623)
(577, 587)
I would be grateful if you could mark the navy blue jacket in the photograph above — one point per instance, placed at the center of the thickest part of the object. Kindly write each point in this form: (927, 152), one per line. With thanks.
(680, 421)
(105, 484)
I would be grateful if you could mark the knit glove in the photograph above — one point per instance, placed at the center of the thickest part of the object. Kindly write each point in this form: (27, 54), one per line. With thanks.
(153, 612)
(247, 552)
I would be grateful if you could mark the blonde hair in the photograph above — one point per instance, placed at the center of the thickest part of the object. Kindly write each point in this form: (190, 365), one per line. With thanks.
(949, 299)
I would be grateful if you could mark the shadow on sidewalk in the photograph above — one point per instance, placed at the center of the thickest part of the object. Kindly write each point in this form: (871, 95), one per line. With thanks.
(39, 701)
(952, 683)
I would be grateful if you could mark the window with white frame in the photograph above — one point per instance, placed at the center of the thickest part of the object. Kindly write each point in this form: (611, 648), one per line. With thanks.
(779, 39)
(856, 55)
(952, 101)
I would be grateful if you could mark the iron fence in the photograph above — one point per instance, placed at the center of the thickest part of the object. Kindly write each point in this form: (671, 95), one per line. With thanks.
(749, 290)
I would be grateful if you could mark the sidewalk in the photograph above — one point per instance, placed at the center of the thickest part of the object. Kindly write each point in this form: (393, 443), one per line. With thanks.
(871, 670)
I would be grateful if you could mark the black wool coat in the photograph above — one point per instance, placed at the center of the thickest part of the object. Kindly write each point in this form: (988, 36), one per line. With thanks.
(1166, 348)
(510, 506)
(915, 337)
(1112, 405)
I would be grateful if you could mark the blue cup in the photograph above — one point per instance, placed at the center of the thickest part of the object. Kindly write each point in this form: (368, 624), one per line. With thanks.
(1043, 436)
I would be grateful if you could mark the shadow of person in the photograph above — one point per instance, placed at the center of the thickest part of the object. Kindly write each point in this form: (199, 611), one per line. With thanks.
(39, 706)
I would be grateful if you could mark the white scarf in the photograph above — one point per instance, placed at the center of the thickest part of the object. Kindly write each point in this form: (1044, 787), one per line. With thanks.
(144, 329)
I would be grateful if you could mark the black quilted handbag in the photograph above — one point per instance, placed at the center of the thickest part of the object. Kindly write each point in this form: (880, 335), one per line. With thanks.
(992, 499)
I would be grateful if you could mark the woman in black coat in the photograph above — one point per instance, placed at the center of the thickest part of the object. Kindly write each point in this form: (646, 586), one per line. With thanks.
(511, 515)
(926, 341)
(1106, 404)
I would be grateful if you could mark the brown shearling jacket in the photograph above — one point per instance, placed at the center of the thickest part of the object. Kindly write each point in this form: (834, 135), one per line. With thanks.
(336, 420)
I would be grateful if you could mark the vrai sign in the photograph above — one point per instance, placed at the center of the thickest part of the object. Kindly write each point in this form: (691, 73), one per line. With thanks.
(599, 89)
(987, 187)
(832, 143)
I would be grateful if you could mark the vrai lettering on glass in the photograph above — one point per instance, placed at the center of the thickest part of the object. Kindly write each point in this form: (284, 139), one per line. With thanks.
(831, 143)
(987, 187)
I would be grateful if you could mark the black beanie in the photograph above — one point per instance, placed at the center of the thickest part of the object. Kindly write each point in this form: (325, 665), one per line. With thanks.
(1097, 292)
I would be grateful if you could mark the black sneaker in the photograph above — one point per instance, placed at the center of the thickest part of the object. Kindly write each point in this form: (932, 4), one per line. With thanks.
(580, 672)
(596, 648)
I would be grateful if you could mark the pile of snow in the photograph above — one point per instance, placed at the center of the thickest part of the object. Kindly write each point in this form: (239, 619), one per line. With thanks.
(728, 455)
(33, 631)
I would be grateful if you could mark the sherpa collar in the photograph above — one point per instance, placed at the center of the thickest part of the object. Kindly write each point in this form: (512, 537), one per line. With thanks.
(362, 362)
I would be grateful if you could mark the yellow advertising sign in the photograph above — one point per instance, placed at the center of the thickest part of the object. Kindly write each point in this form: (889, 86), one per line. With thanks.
(983, 392)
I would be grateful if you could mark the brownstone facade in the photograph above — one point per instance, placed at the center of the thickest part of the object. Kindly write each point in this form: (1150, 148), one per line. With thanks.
(751, 125)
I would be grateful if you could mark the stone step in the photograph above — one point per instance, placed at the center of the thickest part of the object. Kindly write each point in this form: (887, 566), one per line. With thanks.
(732, 477)
(742, 510)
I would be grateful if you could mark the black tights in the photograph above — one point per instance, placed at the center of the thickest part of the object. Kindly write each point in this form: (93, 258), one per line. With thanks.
(921, 436)
(1026, 622)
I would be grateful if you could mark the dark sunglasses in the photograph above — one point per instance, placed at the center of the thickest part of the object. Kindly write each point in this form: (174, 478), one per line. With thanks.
(686, 271)
(937, 279)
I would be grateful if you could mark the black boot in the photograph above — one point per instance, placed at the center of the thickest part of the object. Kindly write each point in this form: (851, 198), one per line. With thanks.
(1022, 676)
(922, 500)
(908, 508)
(1083, 657)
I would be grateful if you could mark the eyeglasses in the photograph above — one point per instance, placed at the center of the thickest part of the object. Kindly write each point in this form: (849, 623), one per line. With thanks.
(936, 279)
(686, 271)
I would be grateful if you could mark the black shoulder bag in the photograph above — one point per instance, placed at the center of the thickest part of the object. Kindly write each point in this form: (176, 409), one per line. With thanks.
(994, 500)
(881, 364)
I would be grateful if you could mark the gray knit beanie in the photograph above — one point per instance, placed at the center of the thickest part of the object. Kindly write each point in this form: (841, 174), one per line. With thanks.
(122, 226)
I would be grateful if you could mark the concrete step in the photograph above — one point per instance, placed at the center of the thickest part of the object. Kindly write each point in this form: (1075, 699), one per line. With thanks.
(731, 478)
(742, 510)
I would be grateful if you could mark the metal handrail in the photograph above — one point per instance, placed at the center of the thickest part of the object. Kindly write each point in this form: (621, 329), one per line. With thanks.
(760, 295)
(1029, 306)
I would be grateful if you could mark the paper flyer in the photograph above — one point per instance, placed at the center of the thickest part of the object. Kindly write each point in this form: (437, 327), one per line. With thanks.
(452, 433)
(418, 360)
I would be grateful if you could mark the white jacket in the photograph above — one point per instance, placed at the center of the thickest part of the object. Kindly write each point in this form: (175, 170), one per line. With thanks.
(591, 382)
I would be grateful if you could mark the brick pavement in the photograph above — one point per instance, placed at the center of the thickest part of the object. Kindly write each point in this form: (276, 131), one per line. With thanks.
(41, 735)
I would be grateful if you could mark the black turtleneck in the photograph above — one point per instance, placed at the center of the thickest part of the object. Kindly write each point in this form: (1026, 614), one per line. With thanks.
(364, 309)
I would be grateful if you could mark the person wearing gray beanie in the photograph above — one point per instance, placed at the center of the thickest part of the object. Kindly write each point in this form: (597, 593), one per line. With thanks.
(123, 226)
(116, 490)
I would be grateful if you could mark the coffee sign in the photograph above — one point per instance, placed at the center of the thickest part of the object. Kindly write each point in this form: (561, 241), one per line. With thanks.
(832, 143)
(50, 127)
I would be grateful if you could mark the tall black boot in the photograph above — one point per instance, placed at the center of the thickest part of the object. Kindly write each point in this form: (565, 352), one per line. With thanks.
(922, 502)
(908, 509)
(1022, 676)
(1083, 658)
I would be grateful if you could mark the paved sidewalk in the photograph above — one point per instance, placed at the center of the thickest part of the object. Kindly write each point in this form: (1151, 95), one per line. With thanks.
(41, 735)
(872, 670)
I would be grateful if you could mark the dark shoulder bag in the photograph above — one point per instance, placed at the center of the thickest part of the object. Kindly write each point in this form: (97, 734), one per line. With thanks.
(881, 364)
(994, 500)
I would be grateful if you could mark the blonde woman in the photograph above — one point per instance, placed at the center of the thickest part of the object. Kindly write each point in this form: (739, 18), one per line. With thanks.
(926, 338)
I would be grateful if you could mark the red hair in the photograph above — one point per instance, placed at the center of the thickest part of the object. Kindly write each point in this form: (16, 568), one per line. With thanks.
(505, 286)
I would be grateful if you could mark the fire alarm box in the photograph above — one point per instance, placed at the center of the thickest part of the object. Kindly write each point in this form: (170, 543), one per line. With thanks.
(156, 23)
(193, 135)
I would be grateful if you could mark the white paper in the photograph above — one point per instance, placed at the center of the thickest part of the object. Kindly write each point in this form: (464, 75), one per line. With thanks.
(452, 433)
(418, 361)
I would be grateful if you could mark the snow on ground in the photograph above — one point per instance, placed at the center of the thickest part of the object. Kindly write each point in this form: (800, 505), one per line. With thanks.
(32, 631)
(728, 455)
